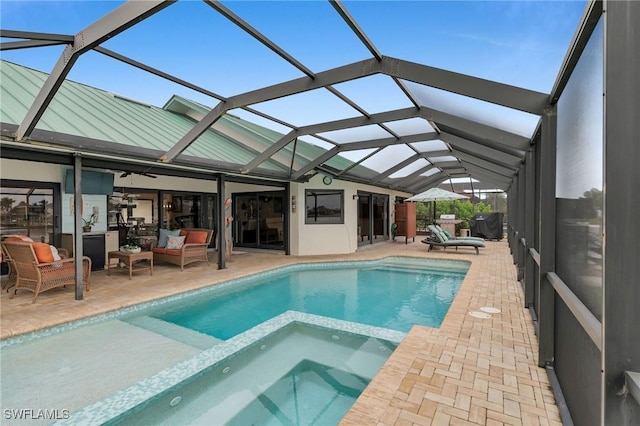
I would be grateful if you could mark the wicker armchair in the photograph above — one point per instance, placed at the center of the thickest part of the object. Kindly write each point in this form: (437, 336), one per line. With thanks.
(12, 275)
(188, 253)
(10, 280)
(38, 277)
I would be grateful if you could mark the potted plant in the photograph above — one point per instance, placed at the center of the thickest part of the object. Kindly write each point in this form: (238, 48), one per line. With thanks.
(464, 228)
(131, 245)
(88, 223)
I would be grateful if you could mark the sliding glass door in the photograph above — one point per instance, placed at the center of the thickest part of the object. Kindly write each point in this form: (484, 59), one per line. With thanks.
(189, 210)
(373, 218)
(259, 220)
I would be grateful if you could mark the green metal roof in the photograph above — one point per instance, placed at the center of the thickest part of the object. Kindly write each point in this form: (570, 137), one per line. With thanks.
(259, 137)
(85, 111)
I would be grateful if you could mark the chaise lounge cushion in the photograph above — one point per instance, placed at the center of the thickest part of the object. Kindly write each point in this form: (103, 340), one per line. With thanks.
(454, 243)
(444, 237)
(440, 239)
(451, 237)
(459, 242)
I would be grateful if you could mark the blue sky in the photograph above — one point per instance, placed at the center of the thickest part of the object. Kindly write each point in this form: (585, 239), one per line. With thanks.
(515, 42)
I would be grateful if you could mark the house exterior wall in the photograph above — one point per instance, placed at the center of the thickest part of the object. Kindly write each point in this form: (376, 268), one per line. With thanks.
(30, 170)
(44, 172)
(305, 239)
(318, 239)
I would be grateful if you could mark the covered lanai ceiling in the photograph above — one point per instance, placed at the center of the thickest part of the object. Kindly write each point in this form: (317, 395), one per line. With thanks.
(428, 124)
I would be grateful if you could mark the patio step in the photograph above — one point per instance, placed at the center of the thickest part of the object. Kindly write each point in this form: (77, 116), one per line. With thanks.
(175, 332)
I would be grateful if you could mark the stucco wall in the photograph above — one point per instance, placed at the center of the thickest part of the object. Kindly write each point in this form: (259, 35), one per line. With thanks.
(312, 239)
(306, 239)
(43, 172)
(30, 170)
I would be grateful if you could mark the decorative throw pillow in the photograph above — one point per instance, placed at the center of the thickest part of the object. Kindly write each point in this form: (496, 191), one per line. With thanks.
(196, 237)
(175, 242)
(164, 236)
(43, 252)
(54, 253)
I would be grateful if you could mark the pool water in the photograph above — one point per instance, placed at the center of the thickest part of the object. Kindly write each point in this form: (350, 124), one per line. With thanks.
(387, 295)
(298, 375)
(309, 394)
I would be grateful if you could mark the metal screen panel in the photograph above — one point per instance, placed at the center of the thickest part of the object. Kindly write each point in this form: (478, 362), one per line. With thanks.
(306, 108)
(577, 364)
(356, 134)
(387, 95)
(579, 208)
(579, 178)
(507, 119)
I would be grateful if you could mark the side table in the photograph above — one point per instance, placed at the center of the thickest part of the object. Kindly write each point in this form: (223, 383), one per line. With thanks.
(130, 259)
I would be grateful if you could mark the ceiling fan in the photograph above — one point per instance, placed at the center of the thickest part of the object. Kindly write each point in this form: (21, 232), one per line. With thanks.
(128, 173)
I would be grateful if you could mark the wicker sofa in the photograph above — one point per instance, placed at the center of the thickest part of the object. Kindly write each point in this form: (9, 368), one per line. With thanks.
(194, 249)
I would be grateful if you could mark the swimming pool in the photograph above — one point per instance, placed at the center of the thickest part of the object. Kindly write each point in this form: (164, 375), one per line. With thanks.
(394, 294)
(128, 340)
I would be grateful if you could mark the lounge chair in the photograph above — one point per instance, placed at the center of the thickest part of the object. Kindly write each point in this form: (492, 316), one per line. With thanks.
(451, 237)
(439, 239)
(37, 276)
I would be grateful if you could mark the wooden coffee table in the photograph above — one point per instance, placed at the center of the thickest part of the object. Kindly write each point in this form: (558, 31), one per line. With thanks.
(130, 259)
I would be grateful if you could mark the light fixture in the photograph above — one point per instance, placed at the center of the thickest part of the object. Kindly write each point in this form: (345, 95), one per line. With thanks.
(355, 197)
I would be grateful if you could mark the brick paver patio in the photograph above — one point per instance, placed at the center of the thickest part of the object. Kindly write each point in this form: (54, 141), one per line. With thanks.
(470, 371)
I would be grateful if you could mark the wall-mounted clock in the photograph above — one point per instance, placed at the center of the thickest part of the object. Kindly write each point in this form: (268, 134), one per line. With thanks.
(327, 180)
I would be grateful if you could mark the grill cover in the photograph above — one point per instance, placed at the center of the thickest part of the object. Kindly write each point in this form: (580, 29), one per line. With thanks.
(487, 225)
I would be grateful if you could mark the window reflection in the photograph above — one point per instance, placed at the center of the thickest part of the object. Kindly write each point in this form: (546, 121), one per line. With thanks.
(579, 178)
(324, 206)
(27, 211)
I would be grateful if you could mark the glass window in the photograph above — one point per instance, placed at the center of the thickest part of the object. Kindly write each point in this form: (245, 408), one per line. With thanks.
(27, 211)
(324, 206)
